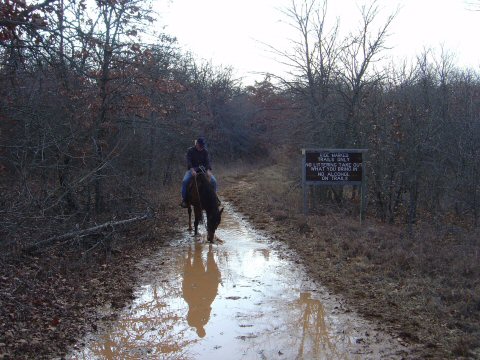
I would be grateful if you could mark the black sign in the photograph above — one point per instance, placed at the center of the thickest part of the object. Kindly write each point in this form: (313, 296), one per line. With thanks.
(334, 167)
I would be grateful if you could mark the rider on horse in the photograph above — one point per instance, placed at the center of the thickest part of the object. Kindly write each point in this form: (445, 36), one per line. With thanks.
(197, 157)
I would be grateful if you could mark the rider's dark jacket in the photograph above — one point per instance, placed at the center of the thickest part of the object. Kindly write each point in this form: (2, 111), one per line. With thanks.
(196, 158)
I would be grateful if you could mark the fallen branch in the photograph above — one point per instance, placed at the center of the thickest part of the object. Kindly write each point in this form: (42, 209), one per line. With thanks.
(72, 234)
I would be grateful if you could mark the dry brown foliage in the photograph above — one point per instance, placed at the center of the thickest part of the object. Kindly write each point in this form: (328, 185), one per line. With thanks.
(424, 288)
(50, 299)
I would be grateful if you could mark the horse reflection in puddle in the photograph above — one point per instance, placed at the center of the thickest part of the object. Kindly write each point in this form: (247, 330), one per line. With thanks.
(199, 287)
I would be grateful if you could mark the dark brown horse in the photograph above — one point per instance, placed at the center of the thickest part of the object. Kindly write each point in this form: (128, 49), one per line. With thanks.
(202, 196)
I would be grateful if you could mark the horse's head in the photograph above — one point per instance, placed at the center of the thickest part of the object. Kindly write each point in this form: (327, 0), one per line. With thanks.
(213, 220)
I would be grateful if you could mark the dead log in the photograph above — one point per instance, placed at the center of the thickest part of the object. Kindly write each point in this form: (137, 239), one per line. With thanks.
(110, 224)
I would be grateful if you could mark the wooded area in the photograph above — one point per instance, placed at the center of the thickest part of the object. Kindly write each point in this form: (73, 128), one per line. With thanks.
(97, 109)
(91, 114)
(87, 106)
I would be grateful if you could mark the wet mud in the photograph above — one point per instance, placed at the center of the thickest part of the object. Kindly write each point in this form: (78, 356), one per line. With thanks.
(243, 297)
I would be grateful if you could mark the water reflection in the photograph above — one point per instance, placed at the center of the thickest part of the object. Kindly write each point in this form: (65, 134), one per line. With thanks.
(314, 329)
(263, 310)
(264, 252)
(152, 329)
(199, 287)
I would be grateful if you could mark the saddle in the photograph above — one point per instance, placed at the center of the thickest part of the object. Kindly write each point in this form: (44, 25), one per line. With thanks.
(201, 180)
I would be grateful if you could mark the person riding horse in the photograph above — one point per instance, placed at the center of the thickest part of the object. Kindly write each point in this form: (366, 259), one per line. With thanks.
(197, 158)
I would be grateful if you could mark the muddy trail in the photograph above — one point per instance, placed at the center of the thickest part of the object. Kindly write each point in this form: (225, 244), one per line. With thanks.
(243, 297)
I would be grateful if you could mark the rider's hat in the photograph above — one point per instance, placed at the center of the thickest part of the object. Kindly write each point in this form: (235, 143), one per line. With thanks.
(201, 141)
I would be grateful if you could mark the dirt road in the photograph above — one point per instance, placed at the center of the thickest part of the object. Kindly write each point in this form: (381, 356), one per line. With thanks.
(244, 297)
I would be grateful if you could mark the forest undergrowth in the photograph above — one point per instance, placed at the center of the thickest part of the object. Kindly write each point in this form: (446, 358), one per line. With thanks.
(50, 297)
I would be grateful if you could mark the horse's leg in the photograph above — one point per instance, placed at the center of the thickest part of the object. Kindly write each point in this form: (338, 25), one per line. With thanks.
(210, 236)
(189, 218)
(198, 216)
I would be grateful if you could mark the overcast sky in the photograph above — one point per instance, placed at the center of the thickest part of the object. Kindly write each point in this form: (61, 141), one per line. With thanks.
(231, 32)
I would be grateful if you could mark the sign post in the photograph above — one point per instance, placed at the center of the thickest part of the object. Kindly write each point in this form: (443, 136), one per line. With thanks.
(333, 167)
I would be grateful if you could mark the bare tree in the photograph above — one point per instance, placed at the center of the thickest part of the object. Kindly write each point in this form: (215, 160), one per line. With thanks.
(362, 48)
(312, 59)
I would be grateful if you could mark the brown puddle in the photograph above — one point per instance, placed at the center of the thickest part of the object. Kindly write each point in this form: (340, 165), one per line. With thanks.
(240, 299)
